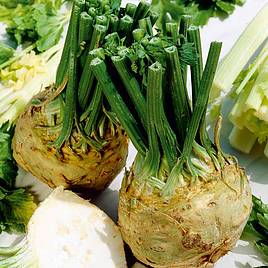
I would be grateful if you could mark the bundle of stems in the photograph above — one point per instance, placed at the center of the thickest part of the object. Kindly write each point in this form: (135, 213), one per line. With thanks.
(92, 24)
(150, 77)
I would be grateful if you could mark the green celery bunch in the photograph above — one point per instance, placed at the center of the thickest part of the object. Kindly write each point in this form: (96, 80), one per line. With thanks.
(242, 51)
(16, 204)
(250, 111)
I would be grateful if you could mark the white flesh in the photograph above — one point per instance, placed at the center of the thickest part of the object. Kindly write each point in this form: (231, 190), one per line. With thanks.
(67, 231)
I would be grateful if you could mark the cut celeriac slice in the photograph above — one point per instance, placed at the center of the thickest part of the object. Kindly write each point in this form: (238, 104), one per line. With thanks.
(67, 231)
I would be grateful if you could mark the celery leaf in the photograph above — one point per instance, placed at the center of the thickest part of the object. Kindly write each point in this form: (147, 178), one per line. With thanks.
(16, 204)
(40, 22)
(200, 10)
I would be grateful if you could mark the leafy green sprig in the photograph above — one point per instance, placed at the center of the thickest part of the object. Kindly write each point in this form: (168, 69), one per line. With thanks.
(200, 10)
(39, 22)
(16, 204)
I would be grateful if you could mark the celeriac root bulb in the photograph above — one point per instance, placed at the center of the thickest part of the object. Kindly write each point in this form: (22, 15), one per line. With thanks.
(198, 225)
(67, 231)
(69, 136)
(72, 167)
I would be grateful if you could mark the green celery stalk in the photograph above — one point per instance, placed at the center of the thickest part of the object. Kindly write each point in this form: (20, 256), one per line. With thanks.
(125, 117)
(198, 111)
(253, 68)
(87, 78)
(131, 9)
(242, 139)
(155, 99)
(85, 27)
(152, 160)
(233, 63)
(179, 93)
(71, 94)
(132, 86)
(250, 112)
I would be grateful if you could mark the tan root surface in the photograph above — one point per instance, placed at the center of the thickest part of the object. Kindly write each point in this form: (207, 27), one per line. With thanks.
(71, 166)
(198, 225)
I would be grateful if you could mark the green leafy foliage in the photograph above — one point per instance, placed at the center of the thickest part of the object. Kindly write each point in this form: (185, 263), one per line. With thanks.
(16, 204)
(200, 10)
(144, 53)
(6, 53)
(39, 23)
(14, 3)
(56, 4)
(257, 226)
(16, 209)
(6, 14)
(8, 167)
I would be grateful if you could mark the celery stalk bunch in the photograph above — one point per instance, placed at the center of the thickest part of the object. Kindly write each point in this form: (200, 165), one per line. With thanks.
(249, 84)
(23, 76)
(246, 45)
(250, 112)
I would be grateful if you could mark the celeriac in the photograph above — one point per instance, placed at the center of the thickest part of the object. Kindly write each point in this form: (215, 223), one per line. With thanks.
(67, 231)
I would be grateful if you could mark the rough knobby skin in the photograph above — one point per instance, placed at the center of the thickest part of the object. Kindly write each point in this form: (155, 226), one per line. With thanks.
(198, 225)
(70, 167)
